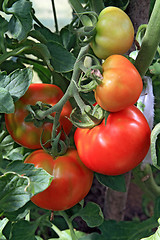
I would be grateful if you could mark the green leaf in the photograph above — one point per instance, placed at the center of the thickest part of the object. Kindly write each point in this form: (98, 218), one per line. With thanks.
(47, 34)
(155, 67)
(17, 82)
(91, 214)
(39, 179)
(3, 29)
(155, 236)
(16, 190)
(21, 22)
(13, 194)
(117, 183)
(24, 230)
(6, 101)
(61, 59)
(3, 223)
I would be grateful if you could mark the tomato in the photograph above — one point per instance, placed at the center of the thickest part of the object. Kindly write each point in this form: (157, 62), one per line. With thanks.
(71, 183)
(118, 146)
(114, 33)
(26, 133)
(121, 85)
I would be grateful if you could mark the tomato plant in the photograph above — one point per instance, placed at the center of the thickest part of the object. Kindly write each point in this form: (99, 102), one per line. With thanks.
(114, 33)
(118, 146)
(26, 133)
(71, 182)
(121, 85)
(63, 57)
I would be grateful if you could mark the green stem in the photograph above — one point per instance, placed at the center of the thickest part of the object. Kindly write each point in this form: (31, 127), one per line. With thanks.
(72, 89)
(14, 52)
(57, 230)
(55, 15)
(78, 8)
(150, 41)
(145, 180)
(150, 182)
(154, 135)
(69, 223)
(97, 6)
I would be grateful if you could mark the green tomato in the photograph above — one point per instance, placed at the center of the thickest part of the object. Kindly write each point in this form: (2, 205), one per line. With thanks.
(115, 33)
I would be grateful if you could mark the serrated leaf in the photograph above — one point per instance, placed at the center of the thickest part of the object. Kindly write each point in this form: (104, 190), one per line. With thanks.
(17, 82)
(117, 183)
(13, 194)
(61, 59)
(39, 178)
(21, 22)
(22, 227)
(47, 34)
(91, 214)
(6, 101)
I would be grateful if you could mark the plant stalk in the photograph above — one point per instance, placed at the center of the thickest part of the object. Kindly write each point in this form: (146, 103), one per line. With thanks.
(150, 41)
(55, 16)
(78, 8)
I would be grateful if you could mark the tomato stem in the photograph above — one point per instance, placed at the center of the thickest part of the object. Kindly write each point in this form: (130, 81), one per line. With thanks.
(69, 223)
(78, 8)
(150, 41)
(14, 52)
(55, 15)
(72, 90)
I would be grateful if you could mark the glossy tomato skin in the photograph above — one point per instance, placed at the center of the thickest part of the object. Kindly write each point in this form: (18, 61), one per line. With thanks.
(121, 85)
(114, 33)
(71, 183)
(26, 133)
(118, 146)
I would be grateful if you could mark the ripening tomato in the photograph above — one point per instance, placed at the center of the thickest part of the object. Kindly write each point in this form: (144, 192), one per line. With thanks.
(121, 85)
(71, 182)
(118, 146)
(114, 33)
(26, 133)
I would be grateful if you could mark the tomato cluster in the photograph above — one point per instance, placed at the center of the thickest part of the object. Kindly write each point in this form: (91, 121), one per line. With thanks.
(72, 179)
(121, 142)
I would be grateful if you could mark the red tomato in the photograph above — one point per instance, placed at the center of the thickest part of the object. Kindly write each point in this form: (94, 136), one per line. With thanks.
(118, 146)
(121, 85)
(71, 183)
(26, 133)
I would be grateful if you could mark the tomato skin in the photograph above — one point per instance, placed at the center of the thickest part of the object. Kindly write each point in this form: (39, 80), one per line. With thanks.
(118, 146)
(26, 133)
(71, 183)
(115, 33)
(121, 84)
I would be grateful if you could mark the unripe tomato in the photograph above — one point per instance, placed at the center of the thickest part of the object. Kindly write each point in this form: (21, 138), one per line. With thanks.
(26, 133)
(121, 85)
(116, 147)
(115, 33)
(71, 182)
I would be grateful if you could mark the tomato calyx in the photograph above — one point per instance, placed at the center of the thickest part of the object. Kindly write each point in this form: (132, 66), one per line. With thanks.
(88, 31)
(35, 114)
(91, 79)
(89, 118)
(58, 147)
